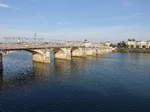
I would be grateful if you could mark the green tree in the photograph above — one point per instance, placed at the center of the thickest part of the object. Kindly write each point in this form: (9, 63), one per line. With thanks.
(122, 44)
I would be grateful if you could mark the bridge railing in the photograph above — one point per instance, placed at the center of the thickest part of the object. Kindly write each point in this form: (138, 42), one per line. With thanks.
(54, 43)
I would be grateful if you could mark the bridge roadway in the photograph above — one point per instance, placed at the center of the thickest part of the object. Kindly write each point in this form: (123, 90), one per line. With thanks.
(41, 52)
(21, 46)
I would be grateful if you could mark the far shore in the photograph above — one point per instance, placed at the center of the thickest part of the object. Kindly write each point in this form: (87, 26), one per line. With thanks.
(131, 50)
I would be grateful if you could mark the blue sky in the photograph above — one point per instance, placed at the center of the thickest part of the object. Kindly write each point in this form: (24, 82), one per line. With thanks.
(96, 20)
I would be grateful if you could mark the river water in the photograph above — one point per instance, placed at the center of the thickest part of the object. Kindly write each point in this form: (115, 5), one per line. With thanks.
(117, 82)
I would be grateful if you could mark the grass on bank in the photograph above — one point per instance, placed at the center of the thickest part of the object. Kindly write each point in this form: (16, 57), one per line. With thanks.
(126, 50)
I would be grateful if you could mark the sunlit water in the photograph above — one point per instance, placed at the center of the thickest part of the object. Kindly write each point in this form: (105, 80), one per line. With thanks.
(117, 82)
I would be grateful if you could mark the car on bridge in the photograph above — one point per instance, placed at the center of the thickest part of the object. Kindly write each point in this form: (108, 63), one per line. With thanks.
(25, 45)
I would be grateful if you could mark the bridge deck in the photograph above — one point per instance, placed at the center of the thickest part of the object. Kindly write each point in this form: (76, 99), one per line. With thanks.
(20, 46)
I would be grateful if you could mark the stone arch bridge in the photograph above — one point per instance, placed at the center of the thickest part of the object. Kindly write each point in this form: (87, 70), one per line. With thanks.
(41, 52)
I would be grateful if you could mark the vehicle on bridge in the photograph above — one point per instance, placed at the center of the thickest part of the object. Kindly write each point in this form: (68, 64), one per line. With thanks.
(25, 45)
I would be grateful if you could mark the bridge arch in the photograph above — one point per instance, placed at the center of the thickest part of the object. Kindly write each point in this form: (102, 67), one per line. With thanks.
(38, 55)
(62, 53)
(74, 48)
(58, 50)
(78, 52)
(6, 52)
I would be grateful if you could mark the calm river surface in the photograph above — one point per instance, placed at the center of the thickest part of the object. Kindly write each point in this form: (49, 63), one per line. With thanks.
(117, 82)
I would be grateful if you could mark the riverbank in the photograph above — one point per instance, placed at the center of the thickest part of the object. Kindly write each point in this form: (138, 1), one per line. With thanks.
(126, 50)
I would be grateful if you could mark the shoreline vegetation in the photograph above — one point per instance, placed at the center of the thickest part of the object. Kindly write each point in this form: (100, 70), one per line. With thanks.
(127, 50)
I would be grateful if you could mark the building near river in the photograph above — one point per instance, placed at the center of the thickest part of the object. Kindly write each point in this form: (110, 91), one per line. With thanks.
(107, 44)
(138, 44)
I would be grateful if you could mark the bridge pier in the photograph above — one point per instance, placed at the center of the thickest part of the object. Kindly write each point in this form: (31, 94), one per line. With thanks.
(63, 53)
(79, 52)
(100, 51)
(103, 51)
(91, 51)
(42, 56)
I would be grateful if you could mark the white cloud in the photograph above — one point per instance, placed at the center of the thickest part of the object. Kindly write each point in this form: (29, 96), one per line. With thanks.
(4, 5)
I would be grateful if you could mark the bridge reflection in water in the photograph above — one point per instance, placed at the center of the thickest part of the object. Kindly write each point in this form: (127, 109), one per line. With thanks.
(39, 71)
(57, 71)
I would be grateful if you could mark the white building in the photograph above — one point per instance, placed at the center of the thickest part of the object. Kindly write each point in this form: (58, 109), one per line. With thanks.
(138, 44)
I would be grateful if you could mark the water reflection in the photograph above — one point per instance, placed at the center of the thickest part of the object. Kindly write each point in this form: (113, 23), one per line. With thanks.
(62, 67)
(1, 80)
(41, 70)
(27, 77)
(66, 69)
(95, 83)
(59, 70)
